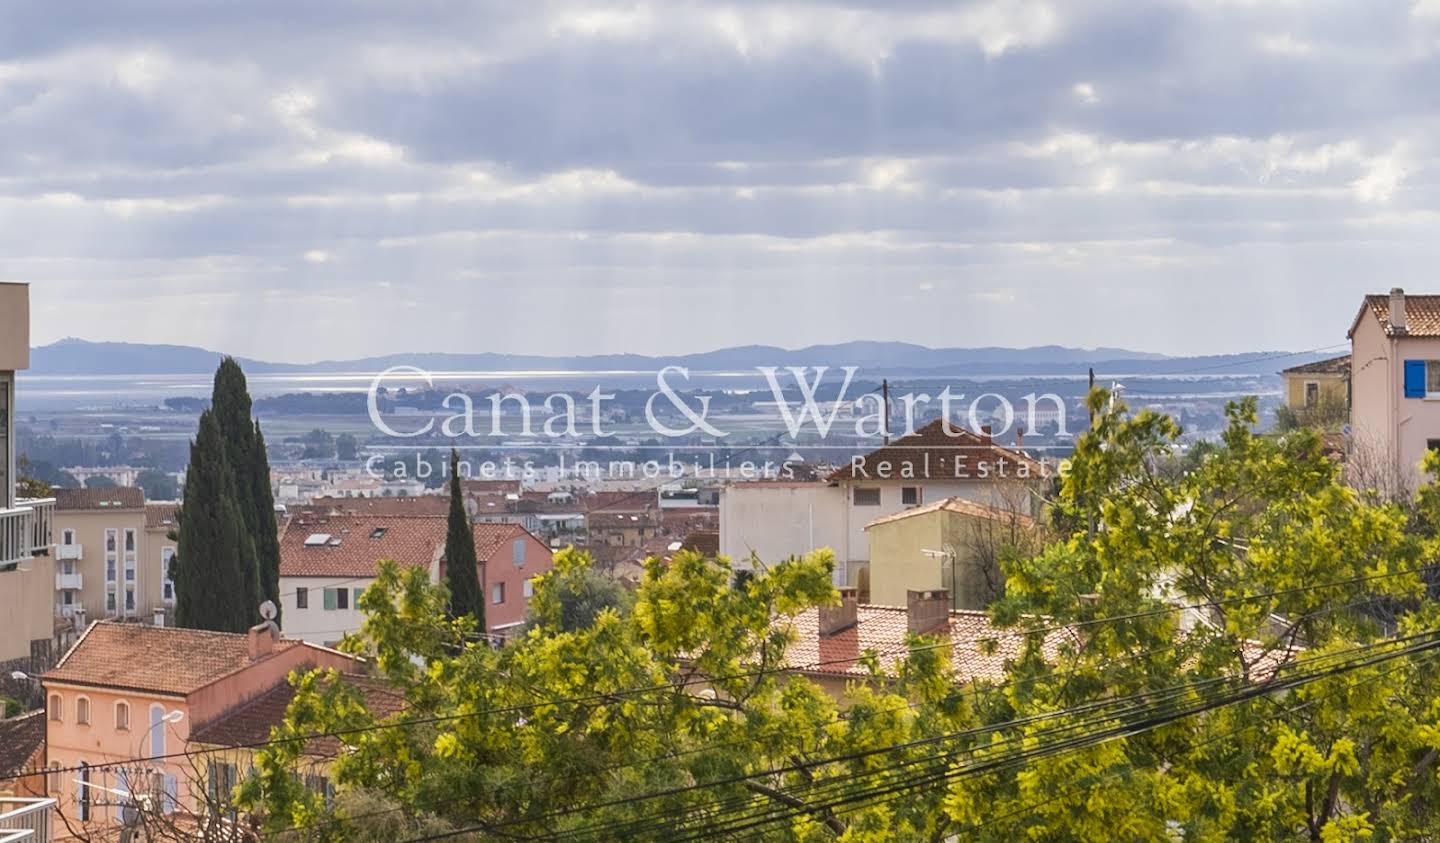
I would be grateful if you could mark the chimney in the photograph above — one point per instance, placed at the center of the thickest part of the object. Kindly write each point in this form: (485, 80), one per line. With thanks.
(158, 619)
(263, 635)
(835, 619)
(262, 639)
(926, 610)
(1399, 321)
(1020, 438)
(987, 434)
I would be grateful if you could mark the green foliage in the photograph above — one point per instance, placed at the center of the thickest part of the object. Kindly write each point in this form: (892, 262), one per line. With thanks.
(214, 567)
(158, 485)
(461, 564)
(576, 596)
(662, 721)
(242, 449)
(347, 447)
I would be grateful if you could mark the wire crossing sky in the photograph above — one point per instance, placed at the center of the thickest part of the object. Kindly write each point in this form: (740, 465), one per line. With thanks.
(341, 179)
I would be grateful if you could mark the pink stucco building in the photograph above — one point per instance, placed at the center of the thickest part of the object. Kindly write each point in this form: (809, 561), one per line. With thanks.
(122, 705)
(1395, 385)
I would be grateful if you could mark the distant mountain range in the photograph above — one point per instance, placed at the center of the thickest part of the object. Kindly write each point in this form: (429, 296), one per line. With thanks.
(81, 357)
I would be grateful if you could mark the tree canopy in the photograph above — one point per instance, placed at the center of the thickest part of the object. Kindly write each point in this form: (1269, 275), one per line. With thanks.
(1226, 672)
(461, 564)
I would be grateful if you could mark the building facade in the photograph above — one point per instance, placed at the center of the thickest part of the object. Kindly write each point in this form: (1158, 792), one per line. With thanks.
(113, 552)
(1395, 385)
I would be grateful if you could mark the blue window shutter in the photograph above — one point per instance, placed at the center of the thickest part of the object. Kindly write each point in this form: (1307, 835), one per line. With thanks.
(1414, 378)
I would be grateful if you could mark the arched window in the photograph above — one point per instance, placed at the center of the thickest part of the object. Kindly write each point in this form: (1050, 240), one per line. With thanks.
(55, 782)
(157, 730)
(57, 708)
(122, 716)
(82, 711)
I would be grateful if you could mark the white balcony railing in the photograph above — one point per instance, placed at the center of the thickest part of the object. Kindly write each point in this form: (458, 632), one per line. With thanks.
(71, 552)
(69, 582)
(25, 820)
(26, 530)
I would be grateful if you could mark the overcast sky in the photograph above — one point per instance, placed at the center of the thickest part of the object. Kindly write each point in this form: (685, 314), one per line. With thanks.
(313, 180)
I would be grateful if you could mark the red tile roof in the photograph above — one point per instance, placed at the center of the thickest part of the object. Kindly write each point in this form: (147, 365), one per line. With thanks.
(1422, 315)
(352, 544)
(117, 497)
(159, 516)
(933, 454)
(1333, 366)
(250, 723)
(163, 660)
(884, 629)
(20, 739)
(355, 543)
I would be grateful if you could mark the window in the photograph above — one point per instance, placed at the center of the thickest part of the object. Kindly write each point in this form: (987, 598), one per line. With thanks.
(129, 599)
(67, 537)
(302, 598)
(222, 780)
(1422, 378)
(867, 497)
(68, 567)
(342, 598)
(57, 708)
(110, 570)
(110, 541)
(517, 552)
(329, 597)
(110, 602)
(1312, 393)
(122, 716)
(157, 730)
(910, 495)
(129, 541)
(84, 792)
(167, 585)
(528, 589)
(497, 593)
(68, 597)
(355, 594)
(82, 711)
(55, 781)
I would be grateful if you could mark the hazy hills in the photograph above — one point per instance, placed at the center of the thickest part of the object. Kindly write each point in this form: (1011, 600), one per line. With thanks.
(81, 357)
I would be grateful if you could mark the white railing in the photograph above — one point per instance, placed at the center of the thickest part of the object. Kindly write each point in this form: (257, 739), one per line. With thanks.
(25, 820)
(69, 582)
(73, 552)
(26, 530)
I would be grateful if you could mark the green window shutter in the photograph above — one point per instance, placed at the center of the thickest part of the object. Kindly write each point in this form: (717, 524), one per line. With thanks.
(329, 599)
(355, 597)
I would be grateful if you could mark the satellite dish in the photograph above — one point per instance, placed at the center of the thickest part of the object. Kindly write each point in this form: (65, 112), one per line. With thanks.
(267, 610)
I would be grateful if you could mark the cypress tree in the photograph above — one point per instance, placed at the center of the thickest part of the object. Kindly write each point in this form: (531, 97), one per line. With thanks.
(245, 452)
(214, 568)
(460, 562)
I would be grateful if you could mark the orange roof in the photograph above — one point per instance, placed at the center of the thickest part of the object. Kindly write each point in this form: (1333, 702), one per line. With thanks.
(1422, 315)
(351, 545)
(164, 660)
(250, 723)
(884, 629)
(959, 506)
(160, 515)
(931, 453)
(116, 497)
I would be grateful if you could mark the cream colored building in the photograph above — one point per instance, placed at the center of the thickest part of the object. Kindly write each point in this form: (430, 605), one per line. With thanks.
(112, 555)
(27, 632)
(774, 520)
(1318, 384)
(951, 544)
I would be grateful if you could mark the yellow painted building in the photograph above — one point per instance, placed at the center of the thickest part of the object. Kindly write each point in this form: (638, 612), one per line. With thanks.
(951, 544)
(1322, 383)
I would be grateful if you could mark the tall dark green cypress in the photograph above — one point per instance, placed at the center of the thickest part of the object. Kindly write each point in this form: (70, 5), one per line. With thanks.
(245, 451)
(466, 597)
(215, 584)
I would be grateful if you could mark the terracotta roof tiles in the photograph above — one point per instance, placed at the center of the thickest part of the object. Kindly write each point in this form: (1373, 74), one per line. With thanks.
(163, 660)
(932, 453)
(116, 497)
(20, 738)
(250, 723)
(1422, 315)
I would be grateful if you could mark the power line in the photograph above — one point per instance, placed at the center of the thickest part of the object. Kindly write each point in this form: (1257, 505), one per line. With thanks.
(680, 685)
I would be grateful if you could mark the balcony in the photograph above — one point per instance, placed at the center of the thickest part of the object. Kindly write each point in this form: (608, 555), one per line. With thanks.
(25, 820)
(26, 530)
(69, 582)
(69, 551)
